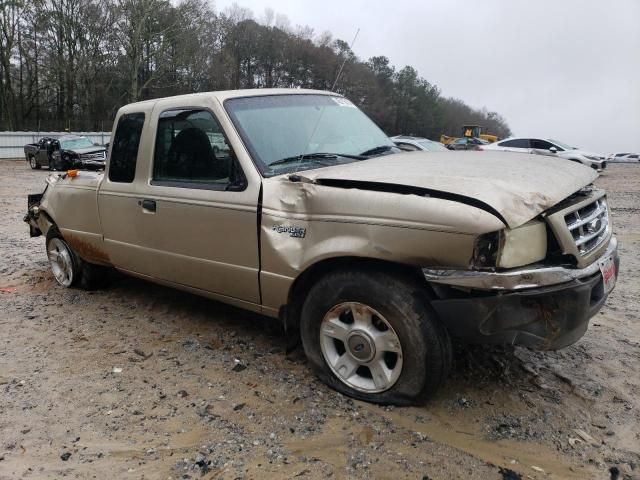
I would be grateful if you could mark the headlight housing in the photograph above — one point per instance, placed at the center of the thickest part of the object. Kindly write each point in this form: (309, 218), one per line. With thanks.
(523, 245)
(511, 247)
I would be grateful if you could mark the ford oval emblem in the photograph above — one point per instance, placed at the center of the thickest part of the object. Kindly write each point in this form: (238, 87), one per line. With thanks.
(594, 225)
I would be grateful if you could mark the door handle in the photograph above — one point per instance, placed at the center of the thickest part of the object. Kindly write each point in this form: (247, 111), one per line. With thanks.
(149, 205)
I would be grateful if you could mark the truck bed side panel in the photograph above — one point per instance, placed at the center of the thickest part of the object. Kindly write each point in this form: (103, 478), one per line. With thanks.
(72, 205)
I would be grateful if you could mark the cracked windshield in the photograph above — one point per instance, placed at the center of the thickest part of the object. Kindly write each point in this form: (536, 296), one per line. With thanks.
(289, 133)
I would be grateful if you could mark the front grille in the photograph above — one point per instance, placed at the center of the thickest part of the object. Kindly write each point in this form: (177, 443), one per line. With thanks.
(589, 225)
(93, 156)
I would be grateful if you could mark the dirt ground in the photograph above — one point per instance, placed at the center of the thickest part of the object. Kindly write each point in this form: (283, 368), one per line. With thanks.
(140, 381)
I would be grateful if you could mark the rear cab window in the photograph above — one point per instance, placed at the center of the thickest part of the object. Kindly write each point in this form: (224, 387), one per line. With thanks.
(124, 152)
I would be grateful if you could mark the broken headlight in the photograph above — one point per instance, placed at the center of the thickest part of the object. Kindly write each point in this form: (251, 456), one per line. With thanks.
(511, 247)
(485, 251)
(523, 245)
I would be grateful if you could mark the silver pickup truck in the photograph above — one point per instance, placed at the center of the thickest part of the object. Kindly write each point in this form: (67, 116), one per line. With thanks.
(376, 258)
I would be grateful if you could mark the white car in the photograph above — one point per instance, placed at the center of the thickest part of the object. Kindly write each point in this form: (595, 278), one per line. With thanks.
(624, 157)
(411, 144)
(549, 147)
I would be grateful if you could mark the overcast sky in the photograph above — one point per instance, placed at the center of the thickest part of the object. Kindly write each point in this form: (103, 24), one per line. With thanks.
(564, 69)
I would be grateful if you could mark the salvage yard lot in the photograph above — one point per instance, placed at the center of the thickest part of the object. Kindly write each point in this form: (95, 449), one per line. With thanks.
(140, 381)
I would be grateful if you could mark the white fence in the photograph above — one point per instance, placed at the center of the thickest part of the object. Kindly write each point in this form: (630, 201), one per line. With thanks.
(12, 143)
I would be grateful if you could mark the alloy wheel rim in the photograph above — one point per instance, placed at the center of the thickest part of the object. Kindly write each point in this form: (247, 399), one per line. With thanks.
(33, 162)
(61, 262)
(361, 347)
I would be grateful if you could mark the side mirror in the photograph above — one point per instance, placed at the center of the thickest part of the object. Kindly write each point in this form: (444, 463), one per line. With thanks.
(553, 150)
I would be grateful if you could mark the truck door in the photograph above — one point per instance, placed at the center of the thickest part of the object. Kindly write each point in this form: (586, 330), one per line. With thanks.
(53, 149)
(41, 155)
(189, 218)
(198, 212)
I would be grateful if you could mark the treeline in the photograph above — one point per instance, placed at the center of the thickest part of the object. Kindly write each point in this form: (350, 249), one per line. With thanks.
(72, 63)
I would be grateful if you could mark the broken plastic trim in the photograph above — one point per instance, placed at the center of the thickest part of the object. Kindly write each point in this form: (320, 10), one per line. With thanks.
(530, 276)
(485, 251)
(404, 190)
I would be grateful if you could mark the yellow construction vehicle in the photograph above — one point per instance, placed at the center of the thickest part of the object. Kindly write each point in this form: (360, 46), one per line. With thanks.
(470, 131)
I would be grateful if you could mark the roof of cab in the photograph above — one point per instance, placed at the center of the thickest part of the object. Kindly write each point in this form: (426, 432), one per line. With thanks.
(223, 95)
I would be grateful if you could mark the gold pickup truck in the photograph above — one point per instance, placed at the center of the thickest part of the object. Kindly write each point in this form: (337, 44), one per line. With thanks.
(292, 203)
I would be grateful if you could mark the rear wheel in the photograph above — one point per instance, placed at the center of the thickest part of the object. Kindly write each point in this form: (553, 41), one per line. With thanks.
(68, 268)
(64, 265)
(373, 336)
(33, 163)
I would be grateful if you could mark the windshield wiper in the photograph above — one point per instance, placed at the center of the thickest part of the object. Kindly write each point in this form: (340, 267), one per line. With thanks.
(314, 156)
(377, 150)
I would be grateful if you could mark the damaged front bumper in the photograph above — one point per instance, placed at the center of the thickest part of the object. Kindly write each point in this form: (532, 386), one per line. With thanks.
(33, 213)
(542, 307)
(89, 164)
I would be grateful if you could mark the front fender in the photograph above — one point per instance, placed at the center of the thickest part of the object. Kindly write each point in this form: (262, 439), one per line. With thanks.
(303, 224)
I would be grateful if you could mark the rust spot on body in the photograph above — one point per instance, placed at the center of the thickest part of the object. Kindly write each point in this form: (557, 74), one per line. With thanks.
(87, 251)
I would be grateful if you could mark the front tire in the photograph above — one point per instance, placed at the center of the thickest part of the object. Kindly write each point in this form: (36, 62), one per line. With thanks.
(373, 336)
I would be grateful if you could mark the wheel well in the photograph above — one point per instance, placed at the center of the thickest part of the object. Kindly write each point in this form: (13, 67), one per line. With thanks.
(290, 314)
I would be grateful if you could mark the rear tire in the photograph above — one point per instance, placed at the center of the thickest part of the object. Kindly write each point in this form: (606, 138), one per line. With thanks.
(33, 163)
(68, 268)
(373, 336)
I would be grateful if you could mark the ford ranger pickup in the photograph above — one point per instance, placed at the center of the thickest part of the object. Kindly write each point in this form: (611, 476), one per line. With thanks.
(294, 204)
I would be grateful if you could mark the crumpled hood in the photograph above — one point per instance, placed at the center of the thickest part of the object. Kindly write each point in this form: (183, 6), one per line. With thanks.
(514, 186)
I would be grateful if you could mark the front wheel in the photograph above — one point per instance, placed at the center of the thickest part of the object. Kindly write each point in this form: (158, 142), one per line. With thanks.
(33, 163)
(373, 336)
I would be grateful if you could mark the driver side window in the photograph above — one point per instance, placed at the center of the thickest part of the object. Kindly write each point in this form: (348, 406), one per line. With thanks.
(191, 151)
